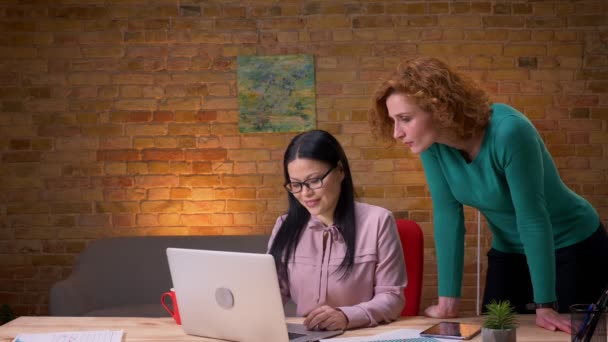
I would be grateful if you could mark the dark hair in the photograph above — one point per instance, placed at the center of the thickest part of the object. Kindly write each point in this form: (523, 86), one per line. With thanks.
(321, 146)
(454, 100)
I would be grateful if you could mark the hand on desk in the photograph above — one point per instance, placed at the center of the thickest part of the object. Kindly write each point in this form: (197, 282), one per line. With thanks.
(546, 318)
(326, 318)
(446, 308)
(551, 320)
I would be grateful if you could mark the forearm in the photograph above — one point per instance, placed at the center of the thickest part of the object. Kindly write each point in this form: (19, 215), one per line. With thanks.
(383, 308)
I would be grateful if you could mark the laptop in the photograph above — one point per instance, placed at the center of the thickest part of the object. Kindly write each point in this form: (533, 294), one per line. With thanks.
(232, 296)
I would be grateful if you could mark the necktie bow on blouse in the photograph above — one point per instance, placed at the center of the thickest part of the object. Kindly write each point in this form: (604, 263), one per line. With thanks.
(335, 233)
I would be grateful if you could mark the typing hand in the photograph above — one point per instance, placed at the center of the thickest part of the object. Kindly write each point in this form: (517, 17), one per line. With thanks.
(326, 318)
(446, 308)
(551, 320)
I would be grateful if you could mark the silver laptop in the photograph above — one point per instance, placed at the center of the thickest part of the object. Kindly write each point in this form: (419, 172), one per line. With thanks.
(232, 296)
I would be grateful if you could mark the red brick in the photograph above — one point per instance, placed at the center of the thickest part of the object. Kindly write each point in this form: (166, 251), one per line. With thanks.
(189, 129)
(203, 116)
(196, 219)
(240, 24)
(282, 23)
(151, 130)
(179, 103)
(162, 154)
(131, 116)
(201, 167)
(503, 21)
(20, 157)
(113, 194)
(161, 206)
(229, 180)
(206, 180)
(578, 100)
(206, 154)
(143, 220)
(117, 155)
(156, 181)
(94, 220)
(27, 208)
(162, 116)
(587, 20)
(180, 193)
(117, 207)
(116, 143)
(204, 206)
(147, 52)
(120, 182)
(133, 79)
(75, 12)
(123, 220)
(136, 104)
(70, 208)
(598, 86)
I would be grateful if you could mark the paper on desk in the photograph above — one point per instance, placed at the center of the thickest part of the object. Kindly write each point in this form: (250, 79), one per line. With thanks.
(73, 336)
(398, 334)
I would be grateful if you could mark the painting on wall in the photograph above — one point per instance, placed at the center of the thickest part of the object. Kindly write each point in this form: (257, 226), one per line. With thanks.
(276, 93)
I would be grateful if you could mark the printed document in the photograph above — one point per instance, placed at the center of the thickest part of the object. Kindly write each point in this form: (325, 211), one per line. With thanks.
(73, 336)
(399, 335)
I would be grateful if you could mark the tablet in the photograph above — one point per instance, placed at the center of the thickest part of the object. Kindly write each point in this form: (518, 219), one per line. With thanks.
(453, 330)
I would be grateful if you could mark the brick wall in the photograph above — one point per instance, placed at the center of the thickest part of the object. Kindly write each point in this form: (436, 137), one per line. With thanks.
(119, 117)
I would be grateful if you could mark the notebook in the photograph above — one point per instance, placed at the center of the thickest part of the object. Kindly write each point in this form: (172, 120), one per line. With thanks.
(232, 296)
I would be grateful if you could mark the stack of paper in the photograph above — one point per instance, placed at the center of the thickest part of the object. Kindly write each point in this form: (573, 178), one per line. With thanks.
(400, 335)
(73, 336)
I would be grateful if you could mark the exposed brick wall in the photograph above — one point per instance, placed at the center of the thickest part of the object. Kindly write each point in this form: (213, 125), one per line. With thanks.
(120, 117)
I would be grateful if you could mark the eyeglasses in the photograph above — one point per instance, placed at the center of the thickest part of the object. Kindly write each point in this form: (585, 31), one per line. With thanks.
(312, 184)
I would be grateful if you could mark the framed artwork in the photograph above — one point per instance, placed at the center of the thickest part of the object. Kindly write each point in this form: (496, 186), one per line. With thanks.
(276, 93)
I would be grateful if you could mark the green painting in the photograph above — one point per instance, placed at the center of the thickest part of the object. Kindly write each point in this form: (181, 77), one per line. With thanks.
(276, 93)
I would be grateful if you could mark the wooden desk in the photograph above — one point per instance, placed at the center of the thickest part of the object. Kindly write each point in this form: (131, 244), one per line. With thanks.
(164, 329)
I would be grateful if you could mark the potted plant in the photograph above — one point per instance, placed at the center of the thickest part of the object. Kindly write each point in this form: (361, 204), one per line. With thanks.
(500, 324)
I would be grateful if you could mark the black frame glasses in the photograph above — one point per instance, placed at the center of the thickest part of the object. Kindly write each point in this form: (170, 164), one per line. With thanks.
(311, 184)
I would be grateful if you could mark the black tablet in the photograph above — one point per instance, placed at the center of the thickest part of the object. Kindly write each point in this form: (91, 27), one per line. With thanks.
(453, 330)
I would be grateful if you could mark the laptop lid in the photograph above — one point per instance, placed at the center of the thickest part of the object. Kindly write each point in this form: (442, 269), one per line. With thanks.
(232, 296)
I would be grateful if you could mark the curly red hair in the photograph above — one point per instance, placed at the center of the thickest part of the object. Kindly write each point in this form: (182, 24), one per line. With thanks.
(455, 101)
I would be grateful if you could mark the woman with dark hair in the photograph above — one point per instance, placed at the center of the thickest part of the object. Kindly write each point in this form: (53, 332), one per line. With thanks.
(340, 261)
(549, 247)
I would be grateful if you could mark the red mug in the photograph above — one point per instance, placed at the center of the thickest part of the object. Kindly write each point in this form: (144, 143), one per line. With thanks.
(175, 312)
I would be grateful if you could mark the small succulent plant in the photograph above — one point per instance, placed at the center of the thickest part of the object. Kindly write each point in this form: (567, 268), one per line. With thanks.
(500, 315)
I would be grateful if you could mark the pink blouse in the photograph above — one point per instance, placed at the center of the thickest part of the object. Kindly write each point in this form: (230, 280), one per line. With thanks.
(372, 293)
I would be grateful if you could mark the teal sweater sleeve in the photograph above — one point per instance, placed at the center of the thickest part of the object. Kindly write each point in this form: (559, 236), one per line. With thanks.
(449, 227)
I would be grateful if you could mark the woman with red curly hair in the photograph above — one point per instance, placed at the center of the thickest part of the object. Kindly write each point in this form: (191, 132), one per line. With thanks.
(549, 248)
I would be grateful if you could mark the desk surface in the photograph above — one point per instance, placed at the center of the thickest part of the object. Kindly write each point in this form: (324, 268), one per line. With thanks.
(164, 329)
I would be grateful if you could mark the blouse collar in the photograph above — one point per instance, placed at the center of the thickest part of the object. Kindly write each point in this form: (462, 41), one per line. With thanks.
(316, 225)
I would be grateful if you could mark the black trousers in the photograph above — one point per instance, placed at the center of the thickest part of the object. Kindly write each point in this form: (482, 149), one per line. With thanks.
(581, 274)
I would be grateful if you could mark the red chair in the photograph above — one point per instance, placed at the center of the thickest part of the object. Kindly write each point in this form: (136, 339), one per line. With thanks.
(413, 249)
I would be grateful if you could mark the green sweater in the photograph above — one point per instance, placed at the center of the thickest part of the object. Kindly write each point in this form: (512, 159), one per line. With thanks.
(515, 184)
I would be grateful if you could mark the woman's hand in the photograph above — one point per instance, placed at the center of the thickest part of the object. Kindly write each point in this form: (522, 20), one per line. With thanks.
(326, 318)
(551, 320)
(446, 308)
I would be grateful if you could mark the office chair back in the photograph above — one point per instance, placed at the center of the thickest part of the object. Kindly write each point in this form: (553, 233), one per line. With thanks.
(412, 243)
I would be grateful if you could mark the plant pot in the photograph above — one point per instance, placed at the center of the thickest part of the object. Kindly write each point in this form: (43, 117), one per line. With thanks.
(498, 335)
